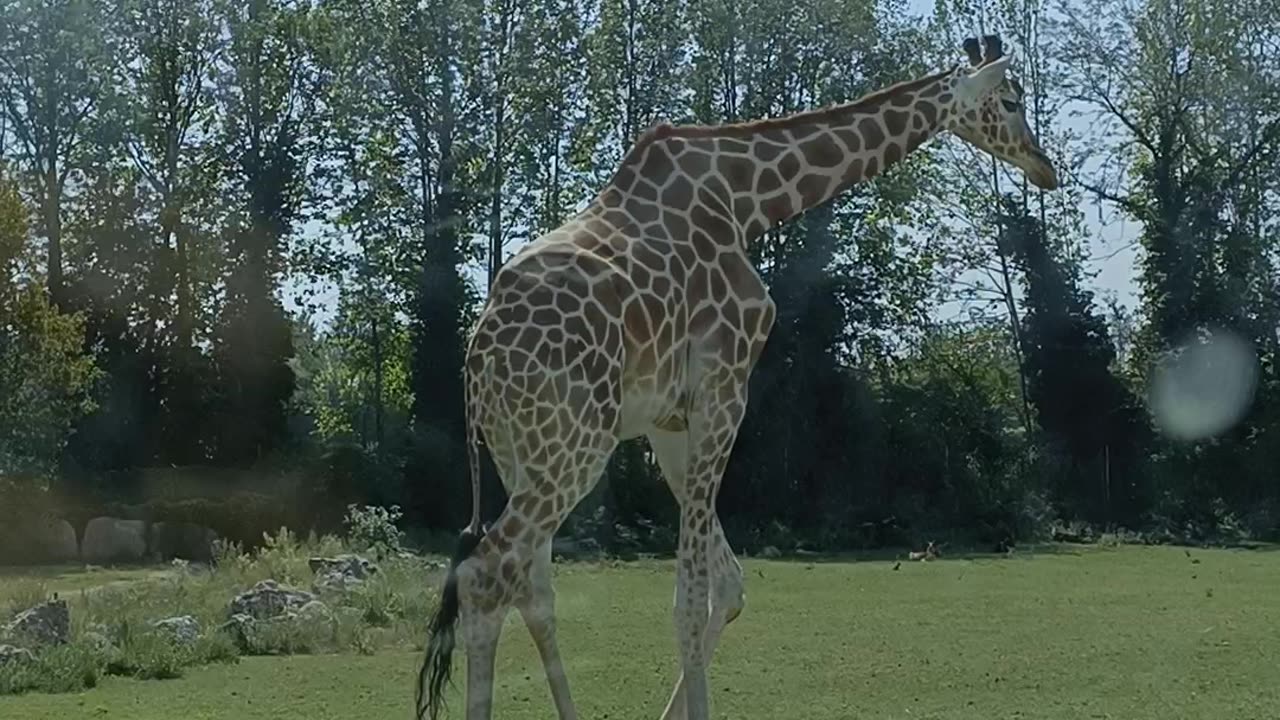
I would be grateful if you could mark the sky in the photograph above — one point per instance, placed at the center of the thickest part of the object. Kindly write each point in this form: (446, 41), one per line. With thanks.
(1110, 268)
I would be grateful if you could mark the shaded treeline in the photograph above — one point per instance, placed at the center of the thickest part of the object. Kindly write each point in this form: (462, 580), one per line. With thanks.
(253, 235)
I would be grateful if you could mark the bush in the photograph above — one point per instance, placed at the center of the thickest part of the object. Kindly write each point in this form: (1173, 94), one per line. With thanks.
(112, 628)
(64, 668)
(374, 528)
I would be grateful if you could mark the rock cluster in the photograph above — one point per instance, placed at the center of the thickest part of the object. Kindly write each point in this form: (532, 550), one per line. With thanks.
(341, 573)
(48, 623)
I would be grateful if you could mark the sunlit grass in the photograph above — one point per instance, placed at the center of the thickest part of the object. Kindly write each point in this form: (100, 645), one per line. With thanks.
(1123, 632)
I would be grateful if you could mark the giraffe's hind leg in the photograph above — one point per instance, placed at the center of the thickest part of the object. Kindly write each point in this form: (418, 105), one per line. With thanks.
(511, 567)
(726, 597)
(499, 574)
(539, 612)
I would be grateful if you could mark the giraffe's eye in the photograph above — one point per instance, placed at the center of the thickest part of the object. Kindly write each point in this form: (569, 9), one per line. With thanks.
(1010, 105)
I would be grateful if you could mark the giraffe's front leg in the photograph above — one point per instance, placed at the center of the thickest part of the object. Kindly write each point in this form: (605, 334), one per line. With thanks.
(727, 601)
(671, 449)
(691, 618)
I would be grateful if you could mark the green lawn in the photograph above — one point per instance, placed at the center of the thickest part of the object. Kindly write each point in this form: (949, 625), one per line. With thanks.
(1127, 633)
(69, 578)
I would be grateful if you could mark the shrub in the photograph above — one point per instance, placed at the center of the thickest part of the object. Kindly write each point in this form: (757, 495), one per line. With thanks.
(112, 628)
(63, 668)
(374, 528)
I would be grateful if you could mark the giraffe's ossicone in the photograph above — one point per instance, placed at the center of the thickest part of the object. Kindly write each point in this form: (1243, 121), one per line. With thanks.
(642, 316)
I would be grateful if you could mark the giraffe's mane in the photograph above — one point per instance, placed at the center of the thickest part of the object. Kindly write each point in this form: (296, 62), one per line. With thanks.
(817, 116)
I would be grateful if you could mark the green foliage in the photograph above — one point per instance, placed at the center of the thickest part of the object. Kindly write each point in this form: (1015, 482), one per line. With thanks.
(61, 669)
(44, 381)
(45, 375)
(1089, 417)
(265, 228)
(1187, 103)
(112, 630)
(374, 528)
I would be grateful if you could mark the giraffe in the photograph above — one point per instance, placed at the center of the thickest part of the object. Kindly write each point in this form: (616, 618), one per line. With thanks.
(641, 315)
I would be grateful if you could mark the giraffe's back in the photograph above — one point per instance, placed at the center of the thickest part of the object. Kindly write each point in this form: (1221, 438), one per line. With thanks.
(569, 325)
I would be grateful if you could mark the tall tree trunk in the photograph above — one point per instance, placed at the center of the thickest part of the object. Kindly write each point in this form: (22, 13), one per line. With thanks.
(378, 373)
(1011, 304)
(629, 112)
(53, 227)
(172, 231)
(495, 199)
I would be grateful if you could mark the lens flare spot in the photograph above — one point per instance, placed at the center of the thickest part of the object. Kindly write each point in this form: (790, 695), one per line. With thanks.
(1205, 386)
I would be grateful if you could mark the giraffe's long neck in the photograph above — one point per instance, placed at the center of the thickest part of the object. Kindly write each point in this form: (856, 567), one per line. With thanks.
(805, 163)
(758, 175)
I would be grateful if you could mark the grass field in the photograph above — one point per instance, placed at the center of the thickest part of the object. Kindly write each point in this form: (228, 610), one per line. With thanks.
(1130, 633)
(67, 579)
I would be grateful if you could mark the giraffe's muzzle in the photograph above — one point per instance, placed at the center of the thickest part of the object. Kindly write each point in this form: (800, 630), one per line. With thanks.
(1040, 171)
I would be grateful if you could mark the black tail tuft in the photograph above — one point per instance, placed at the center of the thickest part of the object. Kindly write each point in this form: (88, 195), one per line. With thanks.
(437, 665)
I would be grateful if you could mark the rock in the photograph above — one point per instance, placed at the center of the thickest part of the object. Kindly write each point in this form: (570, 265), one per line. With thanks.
(575, 547)
(315, 612)
(267, 599)
(353, 565)
(99, 641)
(182, 540)
(564, 546)
(340, 573)
(770, 551)
(108, 538)
(9, 654)
(241, 627)
(184, 628)
(40, 540)
(55, 540)
(45, 624)
(348, 614)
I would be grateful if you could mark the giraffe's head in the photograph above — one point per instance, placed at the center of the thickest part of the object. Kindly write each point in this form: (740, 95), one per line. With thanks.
(989, 113)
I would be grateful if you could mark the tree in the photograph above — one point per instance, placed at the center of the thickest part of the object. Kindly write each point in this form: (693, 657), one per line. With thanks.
(113, 273)
(1092, 423)
(434, 112)
(955, 456)
(53, 67)
(267, 101)
(548, 110)
(45, 375)
(635, 72)
(1183, 94)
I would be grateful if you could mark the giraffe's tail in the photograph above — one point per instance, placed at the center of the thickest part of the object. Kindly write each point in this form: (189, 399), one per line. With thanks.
(473, 441)
(437, 665)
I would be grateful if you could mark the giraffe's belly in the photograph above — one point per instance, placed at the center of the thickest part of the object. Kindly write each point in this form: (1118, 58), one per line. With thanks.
(654, 396)
(644, 409)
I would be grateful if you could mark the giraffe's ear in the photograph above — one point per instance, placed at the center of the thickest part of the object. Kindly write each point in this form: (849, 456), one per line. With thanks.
(993, 47)
(972, 50)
